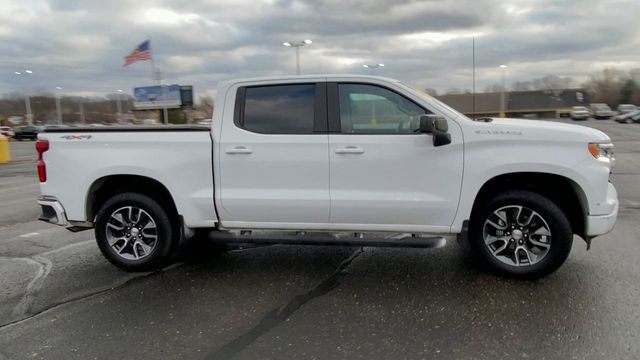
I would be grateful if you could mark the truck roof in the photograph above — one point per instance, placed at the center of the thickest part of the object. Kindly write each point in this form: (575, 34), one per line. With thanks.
(303, 77)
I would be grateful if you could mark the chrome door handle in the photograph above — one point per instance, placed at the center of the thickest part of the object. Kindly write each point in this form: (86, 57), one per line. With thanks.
(239, 150)
(350, 149)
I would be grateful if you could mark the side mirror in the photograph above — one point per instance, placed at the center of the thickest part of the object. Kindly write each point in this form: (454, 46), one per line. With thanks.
(427, 124)
(437, 126)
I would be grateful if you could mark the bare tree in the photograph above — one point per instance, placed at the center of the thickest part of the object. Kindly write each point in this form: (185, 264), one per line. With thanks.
(206, 104)
(431, 91)
(549, 82)
(453, 91)
(606, 86)
(494, 88)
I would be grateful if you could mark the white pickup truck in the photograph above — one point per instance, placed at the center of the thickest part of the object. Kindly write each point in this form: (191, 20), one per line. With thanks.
(307, 159)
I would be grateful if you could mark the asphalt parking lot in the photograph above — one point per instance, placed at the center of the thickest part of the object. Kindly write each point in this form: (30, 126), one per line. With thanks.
(59, 299)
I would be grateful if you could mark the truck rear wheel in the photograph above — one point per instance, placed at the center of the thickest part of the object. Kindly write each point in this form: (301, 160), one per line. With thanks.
(134, 232)
(520, 234)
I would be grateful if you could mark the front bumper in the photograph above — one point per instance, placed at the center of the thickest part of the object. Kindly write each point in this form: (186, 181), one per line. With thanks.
(52, 211)
(602, 224)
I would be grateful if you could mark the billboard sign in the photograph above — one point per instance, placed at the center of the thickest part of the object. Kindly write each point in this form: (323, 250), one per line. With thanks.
(15, 120)
(157, 97)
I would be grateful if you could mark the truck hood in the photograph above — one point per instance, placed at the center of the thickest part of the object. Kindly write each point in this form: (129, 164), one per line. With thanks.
(547, 130)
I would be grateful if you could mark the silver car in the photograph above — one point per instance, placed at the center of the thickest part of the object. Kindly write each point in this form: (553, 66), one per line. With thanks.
(579, 113)
(601, 111)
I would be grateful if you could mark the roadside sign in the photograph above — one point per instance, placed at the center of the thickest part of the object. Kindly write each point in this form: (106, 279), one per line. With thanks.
(157, 97)
(16, 120)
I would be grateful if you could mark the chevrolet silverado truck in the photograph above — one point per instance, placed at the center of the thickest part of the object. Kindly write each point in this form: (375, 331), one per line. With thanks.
(333, 160)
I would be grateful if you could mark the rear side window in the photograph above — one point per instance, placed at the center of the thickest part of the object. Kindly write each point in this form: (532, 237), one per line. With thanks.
(279, 109)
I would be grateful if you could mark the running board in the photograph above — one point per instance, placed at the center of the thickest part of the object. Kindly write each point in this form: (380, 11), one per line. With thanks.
(324, 239)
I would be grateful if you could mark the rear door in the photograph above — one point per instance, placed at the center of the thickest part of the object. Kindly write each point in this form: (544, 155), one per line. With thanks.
(274, 164)
(383, 173)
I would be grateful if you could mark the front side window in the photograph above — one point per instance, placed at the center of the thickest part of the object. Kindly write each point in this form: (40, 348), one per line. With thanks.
(281, 109)
(370, 109)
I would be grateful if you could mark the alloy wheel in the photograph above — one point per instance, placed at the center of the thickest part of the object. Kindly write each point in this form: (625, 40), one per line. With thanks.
(516, 235)
(131, 233)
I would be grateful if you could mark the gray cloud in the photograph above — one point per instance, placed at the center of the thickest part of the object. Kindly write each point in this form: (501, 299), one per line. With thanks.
(80, 45)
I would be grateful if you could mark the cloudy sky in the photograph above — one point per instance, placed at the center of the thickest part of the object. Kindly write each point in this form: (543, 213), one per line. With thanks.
(79, 45)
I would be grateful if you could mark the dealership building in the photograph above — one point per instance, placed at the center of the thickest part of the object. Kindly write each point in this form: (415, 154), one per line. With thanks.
(541, 104)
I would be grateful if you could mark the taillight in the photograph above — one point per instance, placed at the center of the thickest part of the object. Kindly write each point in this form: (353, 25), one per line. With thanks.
(41, 147)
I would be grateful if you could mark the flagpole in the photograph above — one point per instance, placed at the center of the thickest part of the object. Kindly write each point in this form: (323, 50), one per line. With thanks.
(154, 78)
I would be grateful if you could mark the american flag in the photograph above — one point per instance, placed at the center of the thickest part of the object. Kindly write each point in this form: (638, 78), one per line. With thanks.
(141, 52)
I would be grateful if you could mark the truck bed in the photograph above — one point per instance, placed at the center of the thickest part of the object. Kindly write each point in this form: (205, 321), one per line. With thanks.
(129, 128)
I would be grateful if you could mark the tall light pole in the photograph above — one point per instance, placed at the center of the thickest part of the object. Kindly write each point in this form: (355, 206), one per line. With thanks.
(81, 103)
(504, 85)
(58, 107)
(373, 67)
(27, 100)
(119, 115)
(297, 45)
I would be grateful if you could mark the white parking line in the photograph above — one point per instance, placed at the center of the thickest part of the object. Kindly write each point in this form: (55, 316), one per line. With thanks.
(28, 235)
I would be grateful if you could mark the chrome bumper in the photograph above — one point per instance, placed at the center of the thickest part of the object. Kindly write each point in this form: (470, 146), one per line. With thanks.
(52, 211)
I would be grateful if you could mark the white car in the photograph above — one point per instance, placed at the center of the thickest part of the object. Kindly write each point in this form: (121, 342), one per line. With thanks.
(308, 159)
(6, 131)
(579, 113)
(626, 108)
(601, 111)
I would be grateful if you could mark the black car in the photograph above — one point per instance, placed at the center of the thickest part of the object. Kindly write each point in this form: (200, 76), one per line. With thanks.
(26, 132)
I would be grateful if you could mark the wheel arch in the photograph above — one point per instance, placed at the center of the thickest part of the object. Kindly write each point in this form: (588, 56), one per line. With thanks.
(563, 191)
(107, 186)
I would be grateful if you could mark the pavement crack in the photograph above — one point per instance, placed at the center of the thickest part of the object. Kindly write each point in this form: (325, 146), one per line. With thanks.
(279, 315)
(85, 296)
(36, 283)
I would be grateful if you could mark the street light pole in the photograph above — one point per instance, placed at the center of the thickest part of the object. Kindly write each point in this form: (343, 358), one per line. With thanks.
(297, 46)
(502, 92)
(58, 107)
(119, 115)
(27, 100)
(373, 67)
(82, 111)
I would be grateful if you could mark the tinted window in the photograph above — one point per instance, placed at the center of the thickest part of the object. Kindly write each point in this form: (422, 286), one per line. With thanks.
(282, 109)
(370, 109)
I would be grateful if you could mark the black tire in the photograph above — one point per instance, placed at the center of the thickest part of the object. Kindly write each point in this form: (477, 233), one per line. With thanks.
(559, 226)
(164, 243)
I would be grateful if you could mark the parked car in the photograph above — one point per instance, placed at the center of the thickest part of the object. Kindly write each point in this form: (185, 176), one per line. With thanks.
(6, 131)
(626, 108)
(579, 113)
(601, 111)
(628, 118)
(26, 133)
(312, 160)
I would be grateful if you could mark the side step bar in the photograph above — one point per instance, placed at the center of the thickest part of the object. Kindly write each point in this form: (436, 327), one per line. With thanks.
(324, 239)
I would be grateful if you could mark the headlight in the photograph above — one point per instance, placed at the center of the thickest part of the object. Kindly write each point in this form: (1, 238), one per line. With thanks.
(602, 151)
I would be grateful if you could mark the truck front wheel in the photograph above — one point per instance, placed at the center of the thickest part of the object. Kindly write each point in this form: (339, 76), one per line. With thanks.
(134, 232)
(521, 234)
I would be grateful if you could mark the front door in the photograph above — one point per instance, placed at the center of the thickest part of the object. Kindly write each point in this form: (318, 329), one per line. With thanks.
(382, 172)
